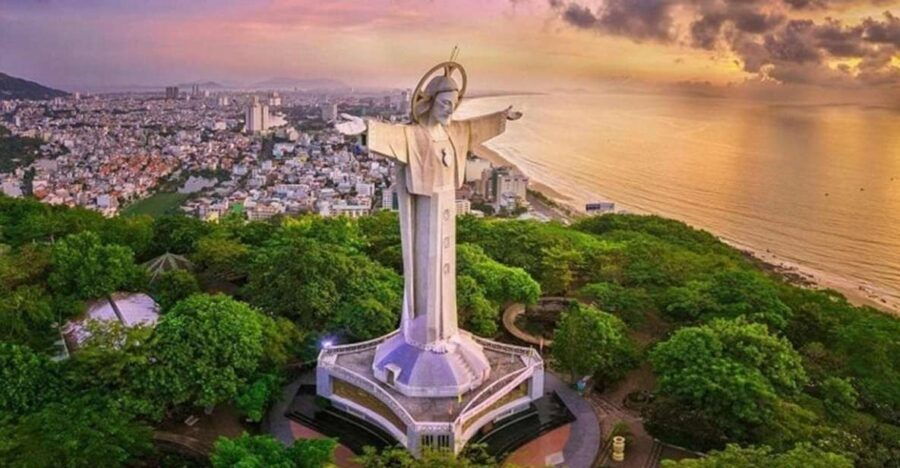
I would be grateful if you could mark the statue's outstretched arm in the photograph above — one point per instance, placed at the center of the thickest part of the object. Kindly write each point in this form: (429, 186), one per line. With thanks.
(386, 139)
(485, 127)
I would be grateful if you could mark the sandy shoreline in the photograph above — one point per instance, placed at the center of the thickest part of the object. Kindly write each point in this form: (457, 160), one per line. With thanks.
(794, 273)
(811, 278)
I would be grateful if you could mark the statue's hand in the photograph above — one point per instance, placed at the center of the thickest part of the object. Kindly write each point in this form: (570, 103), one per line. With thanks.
(512, 114)
(350, 125)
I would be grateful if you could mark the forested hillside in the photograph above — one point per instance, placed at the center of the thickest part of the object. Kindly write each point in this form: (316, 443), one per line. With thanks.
(738, 356)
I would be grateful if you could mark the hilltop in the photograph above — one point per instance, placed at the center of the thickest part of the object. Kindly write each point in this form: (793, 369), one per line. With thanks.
(18, 88)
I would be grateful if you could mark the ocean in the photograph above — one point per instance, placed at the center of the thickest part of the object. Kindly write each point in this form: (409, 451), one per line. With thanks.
(813, 187)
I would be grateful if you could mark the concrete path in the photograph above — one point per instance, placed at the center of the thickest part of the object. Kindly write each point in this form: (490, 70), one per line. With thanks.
(276, 423)
(582, 448)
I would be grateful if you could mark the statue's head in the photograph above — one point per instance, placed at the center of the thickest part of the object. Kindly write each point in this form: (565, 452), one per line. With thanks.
(439, 100)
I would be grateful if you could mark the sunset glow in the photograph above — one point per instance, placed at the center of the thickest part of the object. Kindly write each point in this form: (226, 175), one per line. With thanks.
(520, 44)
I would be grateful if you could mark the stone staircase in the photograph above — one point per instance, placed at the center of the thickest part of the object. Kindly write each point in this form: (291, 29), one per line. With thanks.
(462, 364)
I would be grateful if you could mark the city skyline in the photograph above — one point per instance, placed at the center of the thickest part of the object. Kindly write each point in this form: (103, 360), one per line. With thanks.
(527, 45)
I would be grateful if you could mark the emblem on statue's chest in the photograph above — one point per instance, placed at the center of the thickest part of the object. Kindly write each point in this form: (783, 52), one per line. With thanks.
(445, 157)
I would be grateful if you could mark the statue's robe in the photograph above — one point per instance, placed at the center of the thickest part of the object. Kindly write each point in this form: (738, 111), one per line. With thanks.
(427, 180)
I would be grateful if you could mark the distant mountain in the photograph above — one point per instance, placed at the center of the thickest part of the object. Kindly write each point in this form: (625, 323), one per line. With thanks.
(202, 84)
(300, 83)
(17, 88)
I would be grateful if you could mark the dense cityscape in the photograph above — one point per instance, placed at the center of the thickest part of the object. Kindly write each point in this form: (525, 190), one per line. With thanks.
(208, 154)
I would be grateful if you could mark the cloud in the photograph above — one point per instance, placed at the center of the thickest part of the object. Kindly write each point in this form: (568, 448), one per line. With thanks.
(770, 38)
(636, 19)
(884, 32)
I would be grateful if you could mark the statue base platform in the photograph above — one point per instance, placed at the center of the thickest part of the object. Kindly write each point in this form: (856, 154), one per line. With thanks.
(346, 375)
(447, 369)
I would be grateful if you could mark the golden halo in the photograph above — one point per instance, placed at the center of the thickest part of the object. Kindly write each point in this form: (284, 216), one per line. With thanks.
(449, 68)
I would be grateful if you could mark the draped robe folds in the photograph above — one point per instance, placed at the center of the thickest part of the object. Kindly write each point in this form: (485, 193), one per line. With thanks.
(427, 179)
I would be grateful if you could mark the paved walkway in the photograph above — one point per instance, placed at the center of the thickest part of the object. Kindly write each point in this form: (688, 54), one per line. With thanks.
(276, 423)
(582, 449)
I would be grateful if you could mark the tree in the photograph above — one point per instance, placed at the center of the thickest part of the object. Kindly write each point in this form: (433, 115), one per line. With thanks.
(177, 234)
(263, 451)
(733, 371)
(28, 264)
(134, 232)
(476, 313)
(501, 283)
(81, 432)
(728, 294)
(85, 268)
(590, 342)
(734, 456)
(559, 267)
(629, 304)
(325, 287)
(398, 457)
(27, 315)
(254, 398)
(173, 286)
(742, 293)
(29, 380)
(205, 348)
(364, 318)
(223, 259)
(839, 396)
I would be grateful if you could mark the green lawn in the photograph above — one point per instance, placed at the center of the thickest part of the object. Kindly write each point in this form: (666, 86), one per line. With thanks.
(155, 205)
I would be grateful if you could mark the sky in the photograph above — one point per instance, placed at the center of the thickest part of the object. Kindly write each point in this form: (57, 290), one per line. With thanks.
(837, 46)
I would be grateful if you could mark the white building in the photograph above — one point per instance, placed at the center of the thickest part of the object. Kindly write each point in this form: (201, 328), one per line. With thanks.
(329, 112)
(11, 187)
(389, 199)
(256, 117)
(365, 189)
(353, 211)
(509, 187)
(463, 207)
(130, 309)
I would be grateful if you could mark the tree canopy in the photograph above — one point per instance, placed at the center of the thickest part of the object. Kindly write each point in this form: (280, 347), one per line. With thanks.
(593, 343)
(263, 451)
(730, 370)
(205, 348)
(86, 268)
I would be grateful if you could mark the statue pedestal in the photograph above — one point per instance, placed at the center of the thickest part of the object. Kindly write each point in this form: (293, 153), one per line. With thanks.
(445, 369)
(346, 375)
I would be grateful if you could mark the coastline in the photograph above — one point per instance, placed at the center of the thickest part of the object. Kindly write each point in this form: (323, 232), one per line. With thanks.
(811, 278)
(856, 293)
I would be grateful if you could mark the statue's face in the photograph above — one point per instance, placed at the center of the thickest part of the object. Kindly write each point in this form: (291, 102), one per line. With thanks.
(443, 106)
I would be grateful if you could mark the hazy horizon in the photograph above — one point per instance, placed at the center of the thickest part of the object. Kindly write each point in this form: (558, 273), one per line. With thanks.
(845, 48)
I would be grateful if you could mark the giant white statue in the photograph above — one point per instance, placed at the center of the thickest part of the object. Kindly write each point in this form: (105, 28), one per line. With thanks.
(430, 357)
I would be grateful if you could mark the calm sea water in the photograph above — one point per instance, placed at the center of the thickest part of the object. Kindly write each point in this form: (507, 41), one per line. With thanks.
(815, 185)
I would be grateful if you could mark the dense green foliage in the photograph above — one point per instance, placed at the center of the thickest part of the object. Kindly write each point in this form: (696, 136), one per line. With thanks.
(81, 432)
(86, 268)
(592, 343)
(206, 347)
(29, 380)
(472, 456)
(249, 451)
(173, 286)
(740, 356)
(733, 372)
(801, 456)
